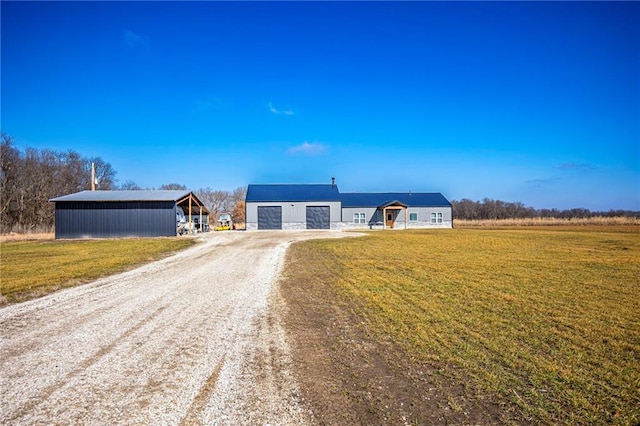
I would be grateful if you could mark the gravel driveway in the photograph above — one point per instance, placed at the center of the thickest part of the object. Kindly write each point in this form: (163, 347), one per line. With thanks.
(191, 339)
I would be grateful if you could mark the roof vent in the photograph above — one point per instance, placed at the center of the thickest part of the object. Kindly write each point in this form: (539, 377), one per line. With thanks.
(333, 181)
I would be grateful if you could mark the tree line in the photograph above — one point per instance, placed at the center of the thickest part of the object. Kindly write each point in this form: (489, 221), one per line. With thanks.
(489, 209)
(30, 178)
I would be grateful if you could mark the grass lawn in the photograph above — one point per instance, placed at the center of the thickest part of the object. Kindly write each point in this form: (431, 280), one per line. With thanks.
(31, 269)
(544, 319)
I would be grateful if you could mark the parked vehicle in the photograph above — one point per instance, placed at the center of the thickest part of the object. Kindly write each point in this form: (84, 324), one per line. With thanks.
(181, 221)
(201, 227)
(224, 222)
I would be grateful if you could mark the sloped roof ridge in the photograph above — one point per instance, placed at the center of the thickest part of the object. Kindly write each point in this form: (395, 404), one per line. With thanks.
(125, 195)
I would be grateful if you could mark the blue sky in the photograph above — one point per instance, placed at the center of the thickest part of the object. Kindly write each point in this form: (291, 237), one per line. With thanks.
(537, 102)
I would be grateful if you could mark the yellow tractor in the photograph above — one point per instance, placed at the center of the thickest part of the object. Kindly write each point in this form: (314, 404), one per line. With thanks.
(224, 222)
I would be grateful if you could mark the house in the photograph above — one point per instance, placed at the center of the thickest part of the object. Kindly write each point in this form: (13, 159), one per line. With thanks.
(322, 206)
(112, 214)
(392, 210)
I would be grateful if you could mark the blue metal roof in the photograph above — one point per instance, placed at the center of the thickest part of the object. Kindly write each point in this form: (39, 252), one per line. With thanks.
(378, 199)
(290, 192)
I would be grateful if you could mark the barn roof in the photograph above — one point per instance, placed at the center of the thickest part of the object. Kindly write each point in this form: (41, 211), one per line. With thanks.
(291, 192)
(382, 199)
(148, 195)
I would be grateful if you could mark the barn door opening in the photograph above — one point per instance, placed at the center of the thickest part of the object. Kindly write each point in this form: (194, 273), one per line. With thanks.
(318, 217)
(269, 217)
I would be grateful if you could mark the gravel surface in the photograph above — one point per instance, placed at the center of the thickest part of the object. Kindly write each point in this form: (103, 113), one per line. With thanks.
(192, 339)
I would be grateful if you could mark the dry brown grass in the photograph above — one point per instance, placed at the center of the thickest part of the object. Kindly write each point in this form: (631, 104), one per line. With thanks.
(545, 319)
(549, 221)
(37, 266)
(35, 236)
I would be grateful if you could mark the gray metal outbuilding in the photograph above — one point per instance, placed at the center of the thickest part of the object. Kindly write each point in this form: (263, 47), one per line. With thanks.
(113, 214)
(315, 206)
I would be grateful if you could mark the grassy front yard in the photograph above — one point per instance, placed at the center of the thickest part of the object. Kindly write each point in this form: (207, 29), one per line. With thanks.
(31, 269)
(546, 320)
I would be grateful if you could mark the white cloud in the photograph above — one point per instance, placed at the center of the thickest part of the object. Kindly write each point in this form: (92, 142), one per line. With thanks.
(285, 111)
(308, 148)
(133, 40)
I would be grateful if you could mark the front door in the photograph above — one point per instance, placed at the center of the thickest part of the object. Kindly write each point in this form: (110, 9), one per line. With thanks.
(390, 219)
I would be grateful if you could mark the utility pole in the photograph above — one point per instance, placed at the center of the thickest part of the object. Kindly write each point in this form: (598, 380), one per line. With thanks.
(93, 176)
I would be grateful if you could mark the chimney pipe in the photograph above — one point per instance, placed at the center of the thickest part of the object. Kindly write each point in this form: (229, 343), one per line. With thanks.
(333, 181)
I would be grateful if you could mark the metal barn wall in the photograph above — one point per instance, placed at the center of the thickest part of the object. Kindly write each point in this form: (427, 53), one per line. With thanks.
(294, 214)
(83, 219)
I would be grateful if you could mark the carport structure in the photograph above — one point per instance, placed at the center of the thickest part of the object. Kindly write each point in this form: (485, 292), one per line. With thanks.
(192, 206)
(113, 214)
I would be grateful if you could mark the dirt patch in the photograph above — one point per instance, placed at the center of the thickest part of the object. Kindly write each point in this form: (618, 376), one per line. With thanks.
(347, 377)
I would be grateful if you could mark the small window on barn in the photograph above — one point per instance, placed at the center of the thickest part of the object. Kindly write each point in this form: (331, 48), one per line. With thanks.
(433, 218)
(439, 217)
(359, 218)
(413, 217)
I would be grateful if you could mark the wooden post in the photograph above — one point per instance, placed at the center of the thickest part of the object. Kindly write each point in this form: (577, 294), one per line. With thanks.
(190, 223)
(384, 218)
(406, 217)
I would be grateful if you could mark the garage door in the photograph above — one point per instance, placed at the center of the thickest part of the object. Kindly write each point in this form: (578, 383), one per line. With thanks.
(269, 217)
(318, 217)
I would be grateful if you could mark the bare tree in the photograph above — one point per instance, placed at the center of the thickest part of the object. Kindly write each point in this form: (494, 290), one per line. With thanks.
(239, 194)
(130, 186)
(173, 186)
(216, 201)
(11, 163)
(28, 180)
(105, 175)
(238, 214)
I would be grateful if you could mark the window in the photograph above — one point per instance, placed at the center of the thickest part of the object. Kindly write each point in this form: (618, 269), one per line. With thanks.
(413, 217)
(433, 218)
(359, 218)
(439, 217)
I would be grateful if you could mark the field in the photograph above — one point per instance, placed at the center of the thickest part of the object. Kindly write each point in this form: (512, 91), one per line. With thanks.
(542, 323)
(550, 221)
(34, 268)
